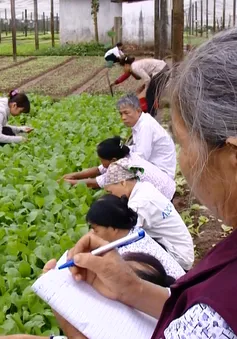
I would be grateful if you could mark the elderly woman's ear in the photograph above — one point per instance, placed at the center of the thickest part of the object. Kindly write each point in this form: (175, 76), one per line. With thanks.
(232, 141)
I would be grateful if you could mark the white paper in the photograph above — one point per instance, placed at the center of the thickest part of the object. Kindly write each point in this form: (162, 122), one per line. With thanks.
(92, 314)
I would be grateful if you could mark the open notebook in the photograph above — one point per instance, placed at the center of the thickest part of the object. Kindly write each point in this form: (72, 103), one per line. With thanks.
(92, 314)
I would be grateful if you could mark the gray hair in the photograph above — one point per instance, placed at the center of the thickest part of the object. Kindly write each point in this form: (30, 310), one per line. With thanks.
(205, 90)
(130, 100)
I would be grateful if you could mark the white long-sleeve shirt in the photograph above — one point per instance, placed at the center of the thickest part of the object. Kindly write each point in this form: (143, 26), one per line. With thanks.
(4, 116)
(116, 51)
(158, 216)
(161, 180)
(153, 143)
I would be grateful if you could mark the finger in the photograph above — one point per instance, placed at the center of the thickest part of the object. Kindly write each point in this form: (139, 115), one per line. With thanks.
(88, 243)
(49, 265)
(88, 261)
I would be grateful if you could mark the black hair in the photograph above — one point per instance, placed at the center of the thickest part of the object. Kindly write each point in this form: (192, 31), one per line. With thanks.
(112, 211)
(112, 148)
(155, 272)
(119, 44)
(127, 60)
(20, 99)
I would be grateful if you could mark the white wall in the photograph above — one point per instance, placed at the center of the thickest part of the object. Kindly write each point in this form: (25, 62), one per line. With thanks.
(76, 22)
(137, 30)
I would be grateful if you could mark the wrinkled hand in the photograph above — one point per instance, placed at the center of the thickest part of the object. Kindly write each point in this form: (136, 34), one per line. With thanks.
(72, 182)
(108, 274)
(70, 176)
(24, 139)
(28, 129)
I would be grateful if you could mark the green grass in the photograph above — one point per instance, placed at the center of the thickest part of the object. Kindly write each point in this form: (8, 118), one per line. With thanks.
(194, 40)
(26, 45)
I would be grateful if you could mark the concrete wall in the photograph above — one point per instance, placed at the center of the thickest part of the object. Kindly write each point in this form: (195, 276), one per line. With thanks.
(138, 22)
(76, 22)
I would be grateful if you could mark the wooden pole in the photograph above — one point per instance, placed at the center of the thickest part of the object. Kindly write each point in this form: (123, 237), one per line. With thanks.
(207, 19)
(52, 23)
(57, 24)
(223, 15)
(214, 16)
(190, 17)
(44, 23)
(0, 29)
(157, 29)
(234, 12)
(178, 30)
(201, 18)
(163, 28)
(193, 19)
(13, 19)
(196, 23)
(6, 21)
(26, 23)
(23, 23)
(36, 24)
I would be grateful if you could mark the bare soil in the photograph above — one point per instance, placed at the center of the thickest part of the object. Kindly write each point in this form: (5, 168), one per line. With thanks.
(209, 234)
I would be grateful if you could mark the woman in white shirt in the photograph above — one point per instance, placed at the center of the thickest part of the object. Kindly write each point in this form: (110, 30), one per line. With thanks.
(111, 150)
(153, 72)
(115, 54)
(156, 214)
(111, 219)
(16, 104)
(150, 140)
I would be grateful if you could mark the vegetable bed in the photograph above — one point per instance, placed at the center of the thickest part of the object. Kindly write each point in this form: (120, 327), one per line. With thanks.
(40, 218)
(8, 61)
(16, 76)
(67, 78)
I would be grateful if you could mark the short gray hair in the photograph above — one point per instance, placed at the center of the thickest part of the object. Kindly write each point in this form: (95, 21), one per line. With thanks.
(130, 100)
(204, 90)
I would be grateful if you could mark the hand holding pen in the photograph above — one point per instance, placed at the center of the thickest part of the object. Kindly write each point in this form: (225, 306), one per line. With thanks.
(108, 274)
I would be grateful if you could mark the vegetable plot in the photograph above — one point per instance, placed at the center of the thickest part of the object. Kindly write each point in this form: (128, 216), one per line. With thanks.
(67, 78)
(40, 218)
(16, 76)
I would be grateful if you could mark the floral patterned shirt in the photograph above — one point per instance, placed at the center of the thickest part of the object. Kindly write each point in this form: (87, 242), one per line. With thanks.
(199, 322)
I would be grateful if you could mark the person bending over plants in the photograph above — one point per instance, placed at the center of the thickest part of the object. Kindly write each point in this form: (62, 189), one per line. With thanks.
(14, 105)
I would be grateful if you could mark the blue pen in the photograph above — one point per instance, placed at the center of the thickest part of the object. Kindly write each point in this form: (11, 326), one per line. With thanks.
(129, 239)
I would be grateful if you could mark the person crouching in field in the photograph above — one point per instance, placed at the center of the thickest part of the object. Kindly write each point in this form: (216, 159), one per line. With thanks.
(14, 105)
(115, 54)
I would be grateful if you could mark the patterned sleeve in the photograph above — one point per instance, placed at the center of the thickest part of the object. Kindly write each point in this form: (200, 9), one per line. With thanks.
(199, 322)
(102, 169)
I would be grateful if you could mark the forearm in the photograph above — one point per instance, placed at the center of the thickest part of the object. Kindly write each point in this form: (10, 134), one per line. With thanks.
(90, 182)
(8, 139)
(87, 173)
(18, 129)
(22, 336)
(147, 298)
(122, 78)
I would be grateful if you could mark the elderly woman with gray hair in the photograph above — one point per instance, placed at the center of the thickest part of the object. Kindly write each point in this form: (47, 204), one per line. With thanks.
(203, 303)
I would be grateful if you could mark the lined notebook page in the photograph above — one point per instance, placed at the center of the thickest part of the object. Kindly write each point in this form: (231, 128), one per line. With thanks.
(92, 314)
